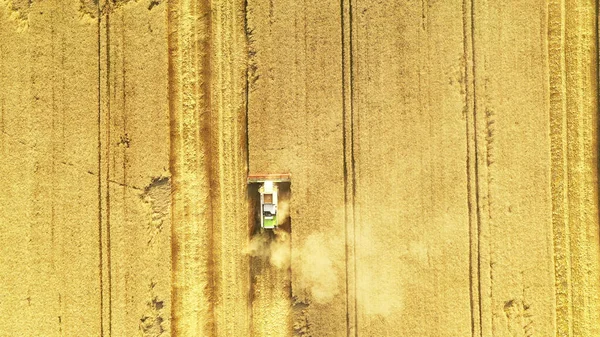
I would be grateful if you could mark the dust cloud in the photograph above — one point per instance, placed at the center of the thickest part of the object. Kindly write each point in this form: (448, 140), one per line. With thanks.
(313, 263)
(316, 270)
(275, 248)
(283, 211)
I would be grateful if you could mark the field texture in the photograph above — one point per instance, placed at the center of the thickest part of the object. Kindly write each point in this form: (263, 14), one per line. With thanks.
(443, 155)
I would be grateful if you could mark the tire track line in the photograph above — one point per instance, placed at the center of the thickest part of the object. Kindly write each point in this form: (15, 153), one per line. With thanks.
(349, 176)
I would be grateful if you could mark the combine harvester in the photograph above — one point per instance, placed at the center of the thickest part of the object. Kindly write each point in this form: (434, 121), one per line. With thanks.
(268, 191)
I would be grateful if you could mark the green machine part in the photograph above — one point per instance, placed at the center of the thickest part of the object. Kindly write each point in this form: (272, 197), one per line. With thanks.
(270, 223)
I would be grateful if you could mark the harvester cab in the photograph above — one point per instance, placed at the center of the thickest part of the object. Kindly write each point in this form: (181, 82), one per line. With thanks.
(268, 191)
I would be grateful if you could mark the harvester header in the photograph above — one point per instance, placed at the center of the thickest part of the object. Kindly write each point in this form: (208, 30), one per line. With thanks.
(274, 177)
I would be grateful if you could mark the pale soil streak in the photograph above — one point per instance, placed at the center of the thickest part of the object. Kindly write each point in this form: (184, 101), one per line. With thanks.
(189, 101)
(208, 163)
(558, 129)
(229, 169)
(574, 125)
(48, 216)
